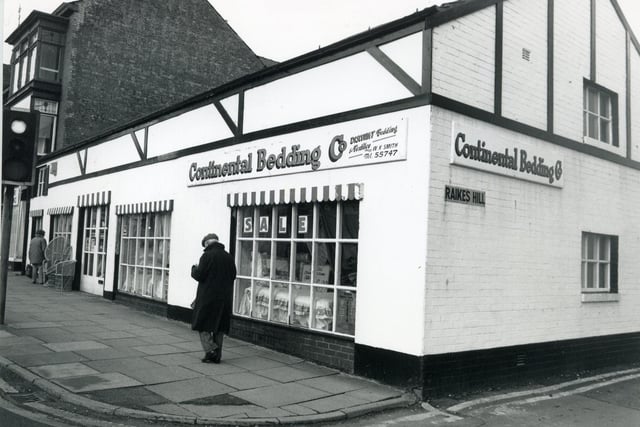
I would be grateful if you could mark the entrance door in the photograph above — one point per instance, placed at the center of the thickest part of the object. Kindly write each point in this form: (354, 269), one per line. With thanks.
(94, 249)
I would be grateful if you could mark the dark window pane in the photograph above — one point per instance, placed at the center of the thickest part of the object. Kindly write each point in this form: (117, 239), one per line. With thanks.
(263, 260)
(327, 220)
(350, 219)
(303, 262)
(49, 62)
(245, 258)
(346, 312)
(45, 133)
(349, 264)
(324, 263)
(283, 260)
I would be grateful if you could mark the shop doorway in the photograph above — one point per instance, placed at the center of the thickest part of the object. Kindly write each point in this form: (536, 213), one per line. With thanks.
(94, 222)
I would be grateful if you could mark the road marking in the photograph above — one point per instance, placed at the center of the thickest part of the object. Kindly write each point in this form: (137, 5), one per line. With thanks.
(492, 399)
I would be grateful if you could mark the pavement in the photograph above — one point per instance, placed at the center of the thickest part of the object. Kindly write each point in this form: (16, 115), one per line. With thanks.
(115, 360)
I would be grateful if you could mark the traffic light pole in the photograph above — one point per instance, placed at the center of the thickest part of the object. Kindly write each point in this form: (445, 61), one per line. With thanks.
(7, 214)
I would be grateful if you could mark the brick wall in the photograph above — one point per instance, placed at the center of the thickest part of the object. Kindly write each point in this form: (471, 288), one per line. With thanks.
(463, 59)
(125, 59)
(335, 352)
(509, 273)
(524, 82)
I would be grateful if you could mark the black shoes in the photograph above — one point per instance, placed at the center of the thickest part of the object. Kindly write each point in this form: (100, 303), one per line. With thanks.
(212, 357)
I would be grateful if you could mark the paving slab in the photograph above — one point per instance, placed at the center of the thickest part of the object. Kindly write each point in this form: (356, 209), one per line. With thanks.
(5, 334)
(34, 325)
(171, 409)
(124, 366)
(333, 403)
(162, 375)
(110, 353)
(254, 363)
(219, 411)
(75, 346)
(130, 397)
(180, 359)
(182, 391)
(21, 349)
(94, 382)
(164, 339)
(158, 349)
(50, 358)
(374, 394)
(188, 346)
(336, 384)
(285, 374)
(109, 335)
(213, 369)
(280, 395)
(244, 380)
(64, 370)
(298, 409)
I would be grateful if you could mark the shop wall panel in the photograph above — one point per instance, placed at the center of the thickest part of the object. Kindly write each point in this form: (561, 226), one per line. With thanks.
(611, 60)
(67, 167)
(524, 81)
(463, 59)
(407, 53)
(515, 277)
(635, 104)
(571, 65)
(115, 152)
(189, 129)
(342, 85)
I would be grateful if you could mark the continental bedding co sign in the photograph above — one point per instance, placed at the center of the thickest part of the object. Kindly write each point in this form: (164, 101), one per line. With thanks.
(313, 150)
(491, 151)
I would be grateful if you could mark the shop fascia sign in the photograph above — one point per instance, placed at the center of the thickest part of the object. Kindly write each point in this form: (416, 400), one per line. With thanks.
(493, 151)
(361, 143)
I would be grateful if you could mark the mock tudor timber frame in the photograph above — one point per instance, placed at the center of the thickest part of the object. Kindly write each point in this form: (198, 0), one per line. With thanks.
(366, 362)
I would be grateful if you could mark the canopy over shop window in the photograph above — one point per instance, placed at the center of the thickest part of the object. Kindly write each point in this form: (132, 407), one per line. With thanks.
(36, 213)
(63, 210)
(94, 199)
(145, 207)
(324, 193)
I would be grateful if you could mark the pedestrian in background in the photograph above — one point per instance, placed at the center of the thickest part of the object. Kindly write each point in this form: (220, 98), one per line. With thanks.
(36, 256)
(215, 274)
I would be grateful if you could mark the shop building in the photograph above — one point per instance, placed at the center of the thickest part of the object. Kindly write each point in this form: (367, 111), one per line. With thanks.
(444, 200)
(79, 69)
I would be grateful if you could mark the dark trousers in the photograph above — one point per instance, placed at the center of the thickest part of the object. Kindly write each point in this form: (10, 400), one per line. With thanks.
(212, 341)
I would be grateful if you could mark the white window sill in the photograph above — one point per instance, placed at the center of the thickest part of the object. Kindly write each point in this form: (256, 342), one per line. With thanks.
(600, 297)
(602, 145)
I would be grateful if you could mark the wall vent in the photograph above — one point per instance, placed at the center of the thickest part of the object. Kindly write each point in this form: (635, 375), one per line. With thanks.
(526, 54)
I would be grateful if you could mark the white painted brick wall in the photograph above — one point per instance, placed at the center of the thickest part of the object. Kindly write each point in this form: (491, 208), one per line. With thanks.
(509, 273)
(463, 59)
(571, 65)
(524, 83)
(635, 104)
(610, 59)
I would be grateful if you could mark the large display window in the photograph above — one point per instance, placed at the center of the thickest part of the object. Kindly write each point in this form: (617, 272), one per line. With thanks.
(144, 255)
(297, 264)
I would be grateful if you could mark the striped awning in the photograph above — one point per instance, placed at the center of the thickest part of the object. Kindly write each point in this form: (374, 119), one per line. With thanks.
(145, 207)
(63, 210)
(94, 199)
(324, 193)
(36, 212)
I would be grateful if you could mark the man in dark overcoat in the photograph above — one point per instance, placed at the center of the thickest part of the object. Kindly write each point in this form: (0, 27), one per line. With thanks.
(215, 273)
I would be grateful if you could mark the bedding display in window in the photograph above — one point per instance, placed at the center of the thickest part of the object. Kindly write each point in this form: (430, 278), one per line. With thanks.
(297, 265)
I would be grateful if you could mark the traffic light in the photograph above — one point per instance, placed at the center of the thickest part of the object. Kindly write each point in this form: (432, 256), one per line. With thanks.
(18, 147)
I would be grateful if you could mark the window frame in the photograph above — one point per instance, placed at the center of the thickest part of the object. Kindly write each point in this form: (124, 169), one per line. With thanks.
(614, 136)
(46, 112)
(296, 281)
(609, 262)
(128, 242)
(61, 226)
(42, 185)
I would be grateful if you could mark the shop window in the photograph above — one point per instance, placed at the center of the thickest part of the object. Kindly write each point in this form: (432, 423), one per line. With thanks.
(42, 186)
(144, 254)
(297, 265)
(61, 226)
(599, 263)
(600, 107)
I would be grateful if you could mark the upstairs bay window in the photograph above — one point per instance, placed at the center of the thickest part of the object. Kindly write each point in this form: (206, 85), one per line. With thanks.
(38, 56)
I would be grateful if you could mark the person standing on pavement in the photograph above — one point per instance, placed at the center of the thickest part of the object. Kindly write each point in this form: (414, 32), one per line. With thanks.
(215, 273)
(36, 256)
